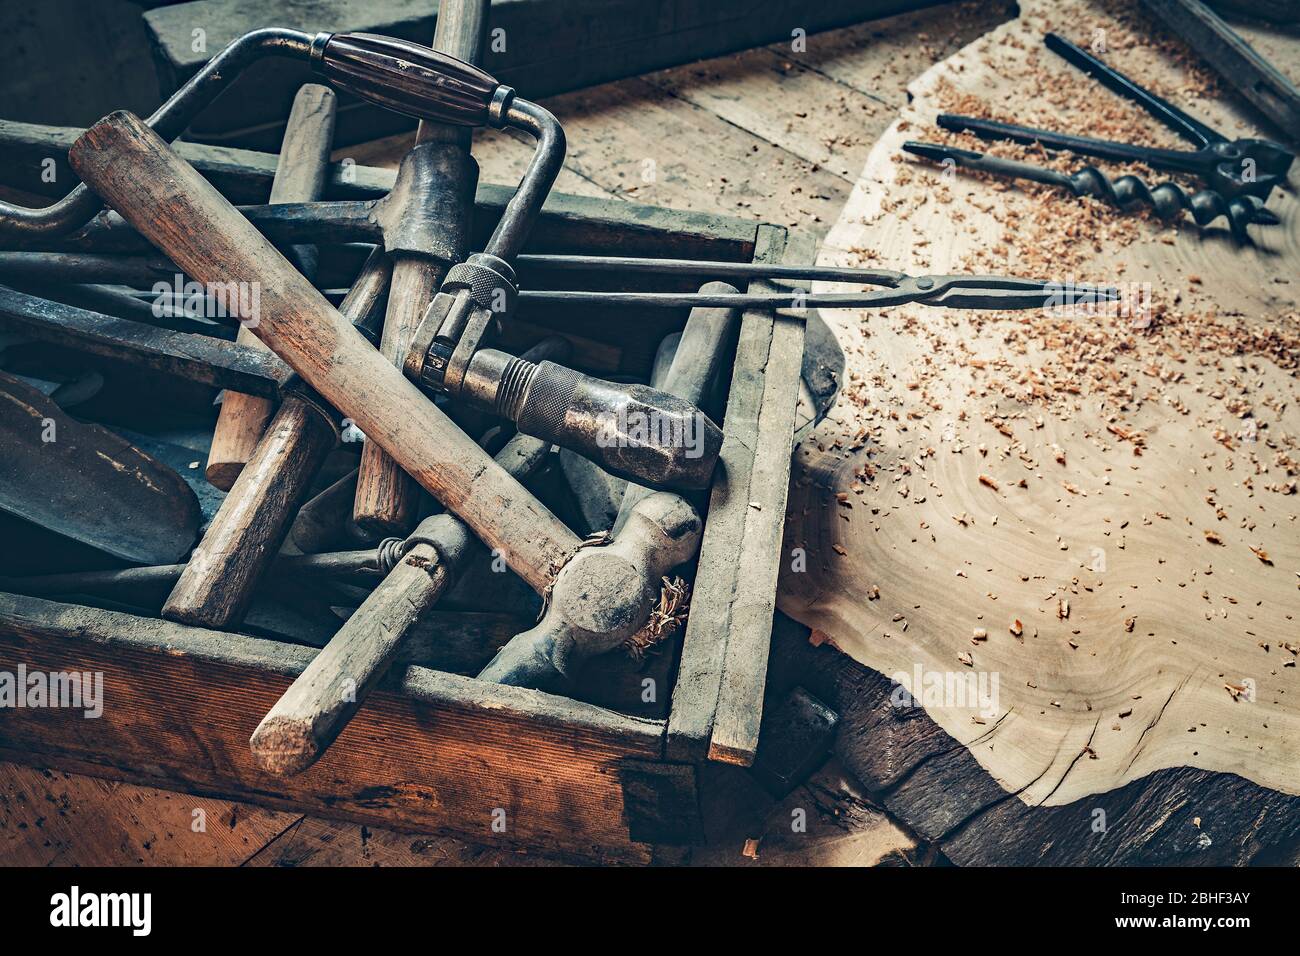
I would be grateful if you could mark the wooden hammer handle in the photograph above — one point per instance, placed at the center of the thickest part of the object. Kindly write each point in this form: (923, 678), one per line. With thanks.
(216, 587)
(387, 500)
(318, 705)
(185, 216)
(299, 177)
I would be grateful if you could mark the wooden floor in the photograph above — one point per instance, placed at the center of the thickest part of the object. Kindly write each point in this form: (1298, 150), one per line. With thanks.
(774, 134)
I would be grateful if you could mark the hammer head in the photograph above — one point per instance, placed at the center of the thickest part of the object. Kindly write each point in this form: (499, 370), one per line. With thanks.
(603, 595)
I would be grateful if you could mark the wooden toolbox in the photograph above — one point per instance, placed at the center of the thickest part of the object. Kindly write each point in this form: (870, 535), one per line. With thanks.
(609, 773)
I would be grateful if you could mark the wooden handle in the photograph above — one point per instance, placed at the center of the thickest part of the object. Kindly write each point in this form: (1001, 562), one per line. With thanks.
(185, 216)
(406, 77)
(299, 177)
(216, 587)
(387, 498)
(315, 709)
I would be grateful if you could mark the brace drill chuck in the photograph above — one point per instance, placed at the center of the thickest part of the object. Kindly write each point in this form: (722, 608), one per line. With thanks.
(633, 431)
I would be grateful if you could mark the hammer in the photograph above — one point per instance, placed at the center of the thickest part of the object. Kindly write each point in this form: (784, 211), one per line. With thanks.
(182, 214)
(604, 595)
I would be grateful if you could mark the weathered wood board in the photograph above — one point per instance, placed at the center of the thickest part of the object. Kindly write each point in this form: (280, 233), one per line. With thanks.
(1096, 512)
(430, 751)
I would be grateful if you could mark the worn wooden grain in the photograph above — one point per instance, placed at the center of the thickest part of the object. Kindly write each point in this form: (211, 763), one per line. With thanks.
(54, 818)
(387, 498)
(216, 587)
(775, 98)
(433, 751)
(1077, 506)
(299, 177)
(717, 583)
(881, 57)
(336, 683)
(744, 666)
(176, 208)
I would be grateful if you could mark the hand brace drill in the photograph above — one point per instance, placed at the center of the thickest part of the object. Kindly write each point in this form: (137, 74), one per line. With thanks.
(634, 431)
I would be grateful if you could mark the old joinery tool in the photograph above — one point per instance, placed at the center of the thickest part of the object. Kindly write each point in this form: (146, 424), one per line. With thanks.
(1239, 174)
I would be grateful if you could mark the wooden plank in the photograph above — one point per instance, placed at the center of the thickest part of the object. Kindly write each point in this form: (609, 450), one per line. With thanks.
(880, 58)
(718, 581)
(52, 818)
(744, 671)
(568, 223)
(775, 98)
(639, 142)
(432, 752)
(311, 841)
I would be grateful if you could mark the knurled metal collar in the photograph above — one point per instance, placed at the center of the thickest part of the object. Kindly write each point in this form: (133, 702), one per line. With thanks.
(488, 288)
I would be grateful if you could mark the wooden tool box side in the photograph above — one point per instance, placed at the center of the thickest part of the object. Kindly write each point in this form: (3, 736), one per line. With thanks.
(718, 697)
(430, 752)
